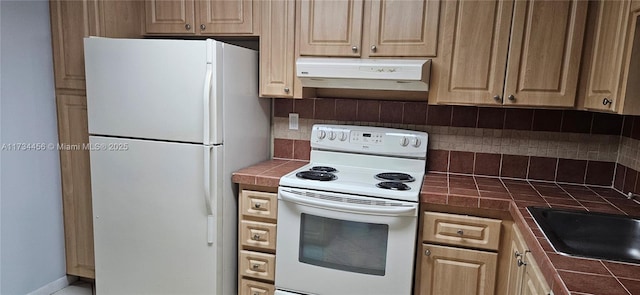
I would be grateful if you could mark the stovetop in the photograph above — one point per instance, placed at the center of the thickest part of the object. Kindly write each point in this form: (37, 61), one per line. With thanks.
(359, 159)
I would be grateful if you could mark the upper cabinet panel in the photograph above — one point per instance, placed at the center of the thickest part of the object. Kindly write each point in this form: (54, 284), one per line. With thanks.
(225, 16)
(473, 51)
(169, 16)
(330, 28)
(545, 52)
(403, 28)
(71, 21)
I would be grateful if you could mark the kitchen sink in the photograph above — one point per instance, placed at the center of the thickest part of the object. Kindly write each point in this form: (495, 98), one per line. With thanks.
(590, 234)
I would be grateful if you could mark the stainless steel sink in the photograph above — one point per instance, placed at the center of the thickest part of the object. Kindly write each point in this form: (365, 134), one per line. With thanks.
(590, 234)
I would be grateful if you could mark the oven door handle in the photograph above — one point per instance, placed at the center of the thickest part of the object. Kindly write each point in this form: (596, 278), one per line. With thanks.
(362, 209)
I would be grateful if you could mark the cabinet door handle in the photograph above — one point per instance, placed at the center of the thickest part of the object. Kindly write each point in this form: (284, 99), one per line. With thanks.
(497, 98)
(427, 252)
(511, 97)
(354, 49)
(606, 101)
(520, 262)
(286, 90)
(187, 26)
(202, 27)
(374, 48)
(460, 232)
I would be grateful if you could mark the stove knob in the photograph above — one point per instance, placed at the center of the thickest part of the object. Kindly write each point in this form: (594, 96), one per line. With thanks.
(343, 136)
(416, 142)
(321, 134)
(404, 141)
(332, 135)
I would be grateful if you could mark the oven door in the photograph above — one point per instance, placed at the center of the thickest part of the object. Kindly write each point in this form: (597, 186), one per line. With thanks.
(330, 243)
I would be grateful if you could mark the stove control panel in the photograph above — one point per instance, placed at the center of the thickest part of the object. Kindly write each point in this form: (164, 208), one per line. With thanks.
(369, 140)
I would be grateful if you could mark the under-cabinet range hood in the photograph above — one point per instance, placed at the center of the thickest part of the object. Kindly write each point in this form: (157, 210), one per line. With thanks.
(357, 73)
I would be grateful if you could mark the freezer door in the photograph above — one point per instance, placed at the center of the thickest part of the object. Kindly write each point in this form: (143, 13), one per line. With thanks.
(151, 219)
(154, 89)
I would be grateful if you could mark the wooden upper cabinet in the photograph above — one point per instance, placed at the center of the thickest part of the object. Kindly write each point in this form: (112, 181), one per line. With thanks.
(614, 74)
(225, 16)
(201, 17)
(545, 53)
(277, 57)
(402, 28)
(521, 53)
(330, 28)
(473, 52)
(169, 16)
(71, 21)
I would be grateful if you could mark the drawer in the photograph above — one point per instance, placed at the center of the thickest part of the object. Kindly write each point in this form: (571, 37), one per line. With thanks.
(259, 204)
(257, 265)
(461, 230)
(258, 234)
(250, 287)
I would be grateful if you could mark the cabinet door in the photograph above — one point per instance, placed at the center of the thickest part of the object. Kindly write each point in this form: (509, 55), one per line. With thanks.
(403, 28)
(330, 28)
(169, 16)
(545, 52)
(277, 67)
(516, 252)
(448, 270)
(225, 16)
(470, 68)
(71, 21)
(607, 57)
(534, 282)
(76, 184)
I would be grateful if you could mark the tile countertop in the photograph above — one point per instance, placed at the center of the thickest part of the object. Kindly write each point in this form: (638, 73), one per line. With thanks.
(566, 275)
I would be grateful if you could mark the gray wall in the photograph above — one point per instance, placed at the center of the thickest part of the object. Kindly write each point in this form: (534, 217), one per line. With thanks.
(31, 231)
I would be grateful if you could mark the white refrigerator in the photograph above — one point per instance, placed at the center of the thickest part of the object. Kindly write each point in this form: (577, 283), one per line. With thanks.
(169, 120)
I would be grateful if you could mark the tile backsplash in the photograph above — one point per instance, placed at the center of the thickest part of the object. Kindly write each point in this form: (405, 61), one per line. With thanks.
(554, 145)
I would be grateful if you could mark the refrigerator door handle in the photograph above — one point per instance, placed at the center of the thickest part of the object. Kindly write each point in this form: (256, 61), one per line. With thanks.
(207, 195)
(206, 121)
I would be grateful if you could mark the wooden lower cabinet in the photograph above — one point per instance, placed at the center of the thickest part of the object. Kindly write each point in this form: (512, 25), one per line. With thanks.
(533, 282)
(449, 270)
(523, 274)
(257, 240)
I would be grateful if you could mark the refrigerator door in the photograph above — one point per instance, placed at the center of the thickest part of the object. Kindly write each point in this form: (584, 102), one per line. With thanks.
(154, 89)
(151, 217)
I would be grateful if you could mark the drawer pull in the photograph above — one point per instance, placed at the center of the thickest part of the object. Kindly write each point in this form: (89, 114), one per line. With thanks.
(255, 266)
(256, 237)
(460, 232)
(257, 205)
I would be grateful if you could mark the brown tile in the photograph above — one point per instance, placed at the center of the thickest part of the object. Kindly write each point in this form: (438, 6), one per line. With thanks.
(633, 286)
(391, 111)
(439, 115)
(461, 162)
(552, 192)
(635, 128)
(572, 171)
(518, 119)
(495, 204)
(368, 111)
(438, 160)
(542, 168)
(492, 188)
(547, 120)
(591, 284)
(528, 198)
(606, 192)
(325, 109)
(562, 201)
(623, 270)
(609, 124)
(415, 113)
(567, 207)
(269, 181)
(495, 195)
(283, 148)
(627, 126)
(460, 201)
(243, 178)
(522, 190)
(492, 118)
(578, 264)
(435, 183)
(588, 196)
(600, 207)
(301, 149)
(545, 245)
(304, 107)
(463, 192)
(282, 107)
(434, 189)
(488, 181)
(346, 109)
(628, 206)
(514, 166)
(600, 173)
(487, 164)
(630, 176)
(618, 181)
(433, 198)
(576, 121)
(464, 116)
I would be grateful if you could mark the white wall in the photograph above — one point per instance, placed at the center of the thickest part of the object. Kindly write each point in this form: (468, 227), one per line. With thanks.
(31, 231)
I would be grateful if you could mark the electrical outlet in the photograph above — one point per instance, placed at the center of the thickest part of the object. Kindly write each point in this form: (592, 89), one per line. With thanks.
(293, 121)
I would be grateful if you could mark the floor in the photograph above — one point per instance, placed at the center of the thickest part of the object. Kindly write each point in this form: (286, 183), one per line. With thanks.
(77, 288)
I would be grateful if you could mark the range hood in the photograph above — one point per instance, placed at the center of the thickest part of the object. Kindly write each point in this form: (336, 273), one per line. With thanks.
(358, 73)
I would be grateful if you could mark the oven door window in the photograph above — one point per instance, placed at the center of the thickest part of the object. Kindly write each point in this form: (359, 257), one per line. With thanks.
(345, 245)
